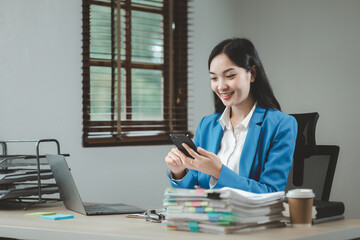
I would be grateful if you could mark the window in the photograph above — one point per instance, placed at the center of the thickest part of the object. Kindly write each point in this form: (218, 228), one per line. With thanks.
(134, 71)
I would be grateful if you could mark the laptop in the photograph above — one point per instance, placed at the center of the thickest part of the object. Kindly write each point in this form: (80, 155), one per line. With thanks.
(70, 194)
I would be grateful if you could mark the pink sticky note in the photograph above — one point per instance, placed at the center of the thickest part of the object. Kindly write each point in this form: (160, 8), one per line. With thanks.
(196, 203)
(199, 190)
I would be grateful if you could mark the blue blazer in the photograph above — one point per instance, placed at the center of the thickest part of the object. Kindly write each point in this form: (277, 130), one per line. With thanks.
(266, 158)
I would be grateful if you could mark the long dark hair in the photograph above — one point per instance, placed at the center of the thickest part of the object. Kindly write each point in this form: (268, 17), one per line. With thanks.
(243, 53)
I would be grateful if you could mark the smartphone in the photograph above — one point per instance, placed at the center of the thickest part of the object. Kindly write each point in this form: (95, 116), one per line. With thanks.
(179, 139)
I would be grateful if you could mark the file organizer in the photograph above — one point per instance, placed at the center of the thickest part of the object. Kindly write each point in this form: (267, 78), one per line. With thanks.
(25, 179)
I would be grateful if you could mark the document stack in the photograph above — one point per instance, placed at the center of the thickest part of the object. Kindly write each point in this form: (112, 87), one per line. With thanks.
(222, 211)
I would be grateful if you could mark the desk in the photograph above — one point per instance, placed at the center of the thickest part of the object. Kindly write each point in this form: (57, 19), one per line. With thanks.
(14, 224)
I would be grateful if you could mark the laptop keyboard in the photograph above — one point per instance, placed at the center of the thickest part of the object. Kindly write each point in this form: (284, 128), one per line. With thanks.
(98, 208)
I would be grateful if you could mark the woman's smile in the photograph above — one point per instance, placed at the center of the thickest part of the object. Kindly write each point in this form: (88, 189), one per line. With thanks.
(226, 95)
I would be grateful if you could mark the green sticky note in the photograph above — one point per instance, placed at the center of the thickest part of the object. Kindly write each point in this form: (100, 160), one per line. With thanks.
(225, 223)
(193, 226)
(227, 217)
(40, 214)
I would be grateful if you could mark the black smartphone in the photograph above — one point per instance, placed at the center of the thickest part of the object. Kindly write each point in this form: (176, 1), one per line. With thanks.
(179, 139)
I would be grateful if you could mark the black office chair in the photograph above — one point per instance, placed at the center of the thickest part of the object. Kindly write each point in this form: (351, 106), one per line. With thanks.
(306, 147)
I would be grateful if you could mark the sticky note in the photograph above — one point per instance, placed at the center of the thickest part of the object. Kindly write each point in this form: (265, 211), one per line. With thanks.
(40, 214)
(196, 203)
(57, 217)
(200, 190)
(200, 209)
(213, 216)
(209, 209)
(193, 226)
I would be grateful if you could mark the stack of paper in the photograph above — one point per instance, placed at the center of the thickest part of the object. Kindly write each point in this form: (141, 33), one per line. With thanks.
(224, 210)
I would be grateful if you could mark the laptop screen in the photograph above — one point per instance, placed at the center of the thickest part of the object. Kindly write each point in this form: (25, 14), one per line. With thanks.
(67, 188)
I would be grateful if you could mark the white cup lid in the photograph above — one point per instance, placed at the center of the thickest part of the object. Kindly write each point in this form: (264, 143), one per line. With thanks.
(300, 193)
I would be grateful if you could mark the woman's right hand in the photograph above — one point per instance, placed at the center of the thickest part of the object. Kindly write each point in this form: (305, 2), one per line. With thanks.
(175, 164)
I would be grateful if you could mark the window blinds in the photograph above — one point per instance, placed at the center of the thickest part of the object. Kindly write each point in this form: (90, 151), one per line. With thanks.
(140, 97)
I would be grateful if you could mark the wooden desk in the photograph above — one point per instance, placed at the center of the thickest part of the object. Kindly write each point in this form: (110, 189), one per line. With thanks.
(14, 224)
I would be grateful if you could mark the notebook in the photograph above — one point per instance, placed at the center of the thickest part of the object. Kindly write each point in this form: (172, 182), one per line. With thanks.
(70, 194)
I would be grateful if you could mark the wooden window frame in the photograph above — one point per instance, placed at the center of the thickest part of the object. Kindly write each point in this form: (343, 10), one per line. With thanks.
(175, 101)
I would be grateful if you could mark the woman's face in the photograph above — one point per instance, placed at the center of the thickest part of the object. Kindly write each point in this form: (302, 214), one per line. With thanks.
(230, 82)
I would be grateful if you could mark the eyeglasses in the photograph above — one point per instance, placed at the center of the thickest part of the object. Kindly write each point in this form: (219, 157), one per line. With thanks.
(156, 215)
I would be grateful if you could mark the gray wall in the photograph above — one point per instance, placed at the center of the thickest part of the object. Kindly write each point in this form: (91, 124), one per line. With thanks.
(309, 50)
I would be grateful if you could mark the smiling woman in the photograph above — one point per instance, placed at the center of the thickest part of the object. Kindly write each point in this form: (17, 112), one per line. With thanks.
(231, 83)
(248, 143)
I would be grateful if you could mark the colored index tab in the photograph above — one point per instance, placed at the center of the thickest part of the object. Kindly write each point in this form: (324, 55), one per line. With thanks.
(170, 199)
(171, 190)
(171, 227)
(224, 223)
(200, 190)
(200, 209)
(175, 208)
(209, 209)
(194, 226)
(213, 216)
(196, 203)
(57, 217)
(227, 217)
(188, 204)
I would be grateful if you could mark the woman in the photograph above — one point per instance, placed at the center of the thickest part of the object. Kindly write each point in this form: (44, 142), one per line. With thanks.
(248, 143)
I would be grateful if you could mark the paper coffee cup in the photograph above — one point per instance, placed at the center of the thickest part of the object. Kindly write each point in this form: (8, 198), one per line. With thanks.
(300, 205)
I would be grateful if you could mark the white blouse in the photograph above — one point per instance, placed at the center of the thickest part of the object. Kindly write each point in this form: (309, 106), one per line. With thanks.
(232, 142)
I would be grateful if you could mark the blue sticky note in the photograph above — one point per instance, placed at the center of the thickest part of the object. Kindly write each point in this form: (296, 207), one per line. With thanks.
(57, 217)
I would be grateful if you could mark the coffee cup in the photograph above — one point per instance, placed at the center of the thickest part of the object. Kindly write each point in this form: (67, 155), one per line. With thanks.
(300, 206)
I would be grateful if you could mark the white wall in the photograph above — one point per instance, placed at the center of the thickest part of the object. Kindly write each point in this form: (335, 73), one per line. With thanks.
(213, 22)
(40, 95)
(308, 49)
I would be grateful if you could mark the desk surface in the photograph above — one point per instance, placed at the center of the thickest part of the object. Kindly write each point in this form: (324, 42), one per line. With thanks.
(14, 224)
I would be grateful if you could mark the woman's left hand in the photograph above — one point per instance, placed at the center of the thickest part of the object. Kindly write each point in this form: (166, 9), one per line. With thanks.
(204, 161)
